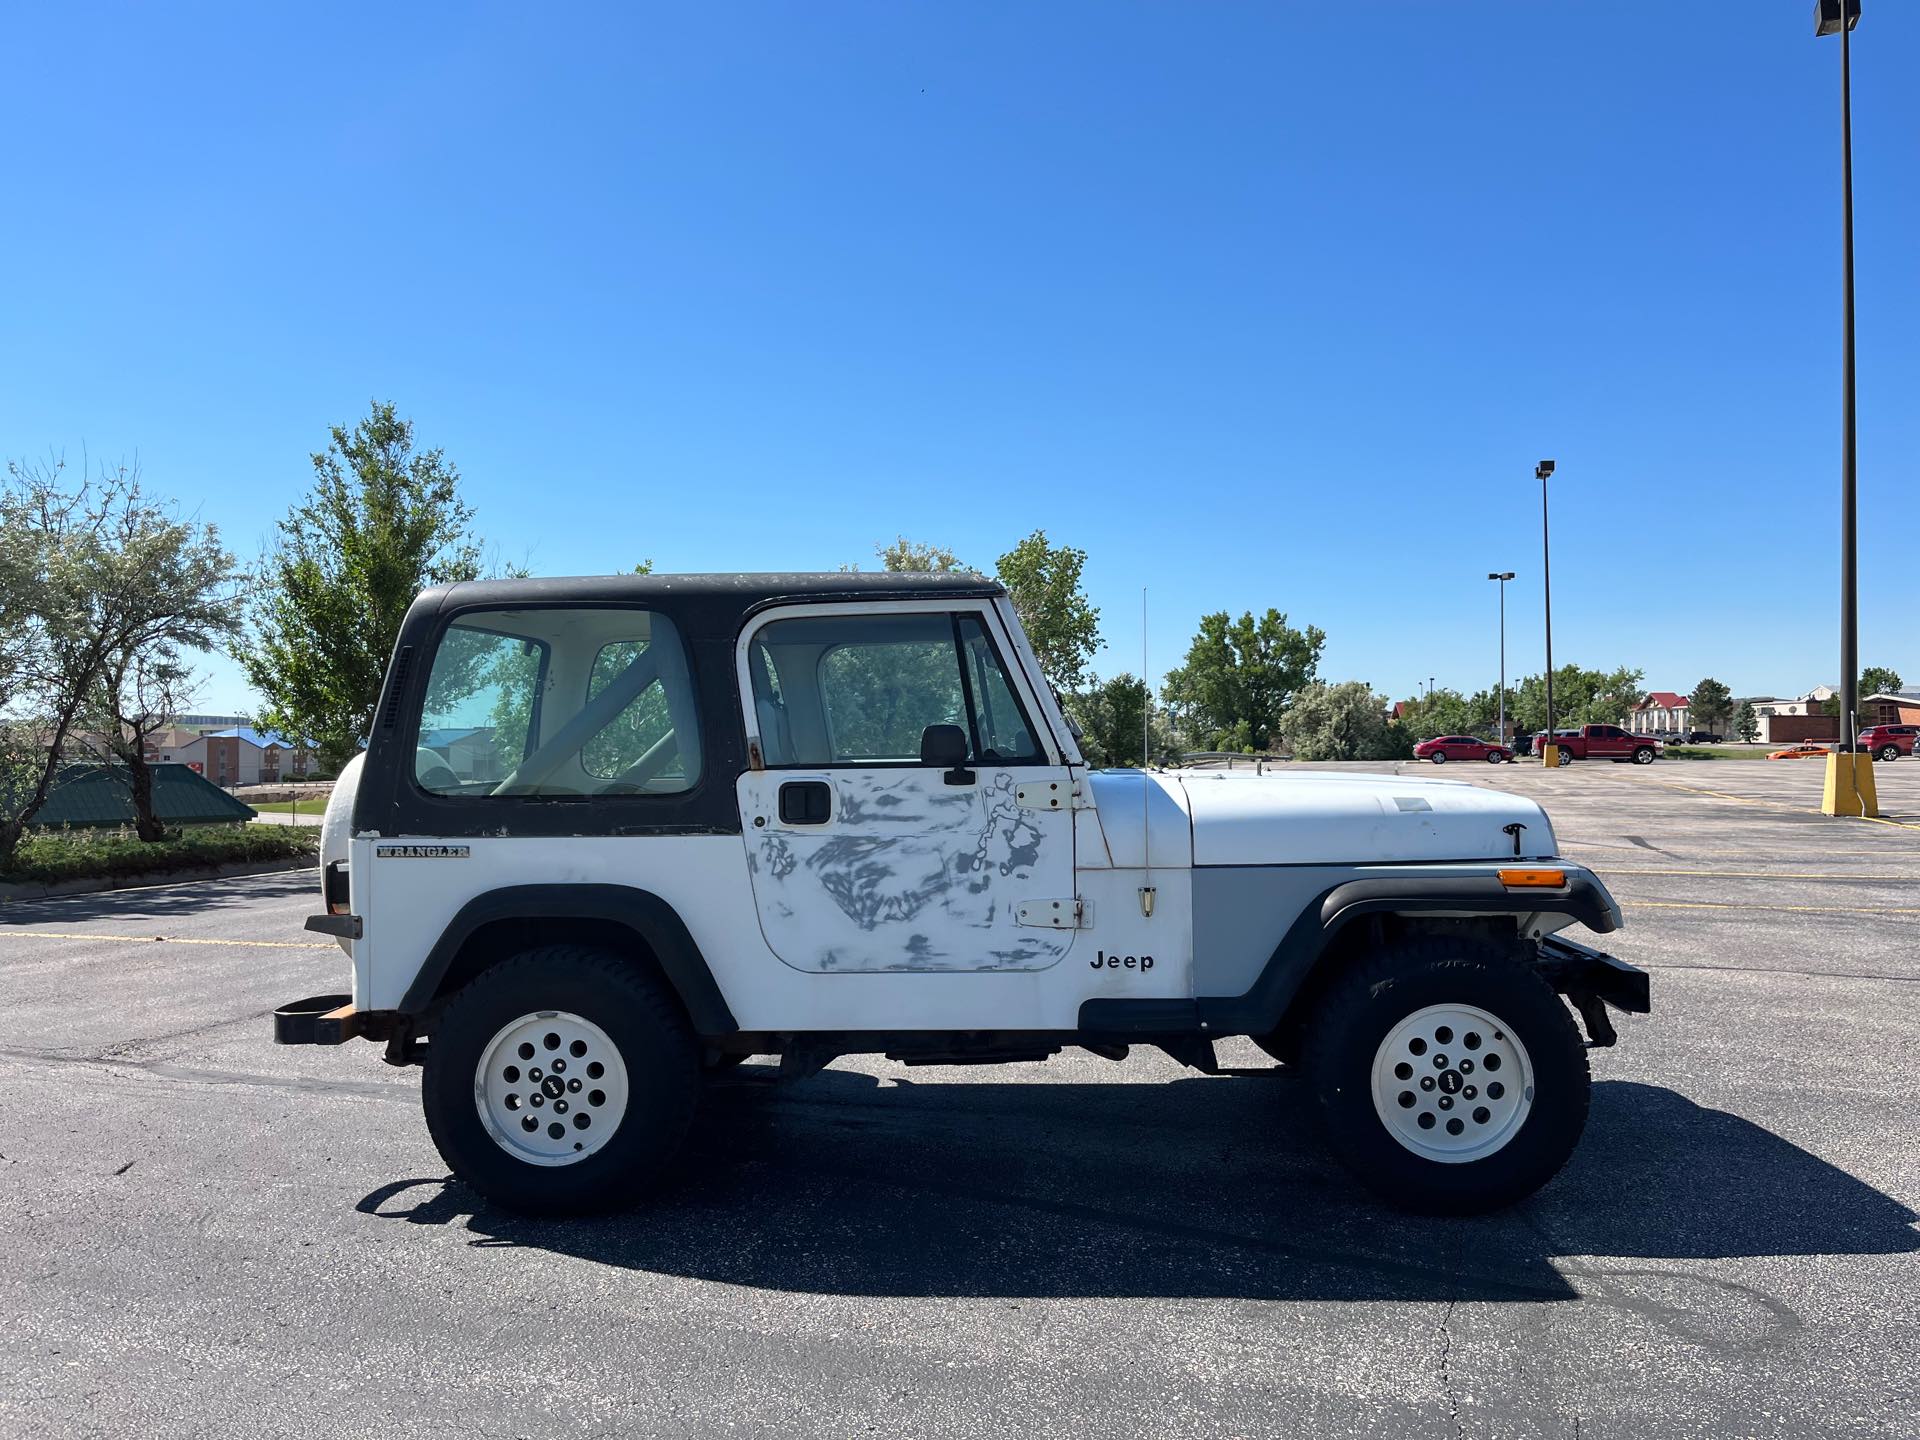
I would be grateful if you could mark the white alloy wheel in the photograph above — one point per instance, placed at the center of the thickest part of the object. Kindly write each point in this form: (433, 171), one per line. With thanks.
(1452, 1083)
(1439, 757)
(551, 1088)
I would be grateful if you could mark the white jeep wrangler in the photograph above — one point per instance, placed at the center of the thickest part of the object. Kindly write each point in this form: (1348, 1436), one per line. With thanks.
(612, 836)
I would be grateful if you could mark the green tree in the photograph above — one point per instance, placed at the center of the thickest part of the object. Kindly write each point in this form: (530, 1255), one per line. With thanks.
(98, 581)
(1043, 581)
(1112, 716)
(916, 557)
(382, 522)
(1239, 677)
(1746, 724)
(1580, 697)
(1448, 712)
(1712, 705)
(1347, 721)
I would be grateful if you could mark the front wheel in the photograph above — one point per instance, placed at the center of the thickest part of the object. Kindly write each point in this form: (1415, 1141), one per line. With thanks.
(561, 1081)
(1643, 756)
(1494, 757)
(1449, 1077)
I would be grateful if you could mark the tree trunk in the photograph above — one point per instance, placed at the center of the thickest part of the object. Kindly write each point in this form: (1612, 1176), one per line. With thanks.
(10, 832)
(146, 824)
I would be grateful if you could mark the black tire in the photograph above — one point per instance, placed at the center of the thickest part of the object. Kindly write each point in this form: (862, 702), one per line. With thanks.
(1494, 757)
(1889, 752)
(635, 1012)
(1643, 755)
(1354, 1018)
(1439, 757)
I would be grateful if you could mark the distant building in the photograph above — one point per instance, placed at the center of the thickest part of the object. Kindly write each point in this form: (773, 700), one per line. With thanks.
(1787, 720)
(1661, 713)
(1890, 707)
(202, 724)
(239, 755)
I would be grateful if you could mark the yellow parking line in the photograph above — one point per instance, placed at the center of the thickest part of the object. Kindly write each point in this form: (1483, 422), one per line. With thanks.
(6, 930)
(1778, 909)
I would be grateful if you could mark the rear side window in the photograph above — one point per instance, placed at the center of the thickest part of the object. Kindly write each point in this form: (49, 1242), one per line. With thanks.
(554, 703)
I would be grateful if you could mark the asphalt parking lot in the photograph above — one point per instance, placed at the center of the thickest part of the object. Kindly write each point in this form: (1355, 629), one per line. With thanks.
(207, 1235)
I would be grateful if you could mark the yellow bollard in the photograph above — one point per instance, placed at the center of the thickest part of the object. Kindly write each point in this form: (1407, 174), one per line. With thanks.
(1850, 787)
(1550, 755)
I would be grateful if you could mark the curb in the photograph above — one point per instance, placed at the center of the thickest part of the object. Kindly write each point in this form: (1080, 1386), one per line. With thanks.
(154, 879)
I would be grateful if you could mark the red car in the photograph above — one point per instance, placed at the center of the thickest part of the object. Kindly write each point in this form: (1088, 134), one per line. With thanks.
(1888, 742)
(1443, 748)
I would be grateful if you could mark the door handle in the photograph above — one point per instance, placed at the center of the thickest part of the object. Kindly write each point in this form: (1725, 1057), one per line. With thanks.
(806, 802)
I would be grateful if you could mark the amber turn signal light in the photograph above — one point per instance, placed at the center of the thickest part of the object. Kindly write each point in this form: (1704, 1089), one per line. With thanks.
(1533, 879)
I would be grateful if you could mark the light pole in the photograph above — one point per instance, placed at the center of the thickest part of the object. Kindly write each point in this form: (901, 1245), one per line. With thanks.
(1850, 788)
(1502, 576)
(1549, 751)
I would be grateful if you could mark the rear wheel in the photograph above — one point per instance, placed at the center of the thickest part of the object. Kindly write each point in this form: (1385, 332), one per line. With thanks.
(1889, 752)
(1449, 1077)
(1439, 757)
(560, 1081)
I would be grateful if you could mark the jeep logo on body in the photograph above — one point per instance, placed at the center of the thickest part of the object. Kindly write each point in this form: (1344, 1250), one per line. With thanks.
(1103, 961)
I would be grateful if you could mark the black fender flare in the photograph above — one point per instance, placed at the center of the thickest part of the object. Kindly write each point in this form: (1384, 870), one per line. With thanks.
(1263, 1006)
(652, 919)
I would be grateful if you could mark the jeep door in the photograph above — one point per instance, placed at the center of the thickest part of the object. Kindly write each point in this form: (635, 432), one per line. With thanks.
(865, 858)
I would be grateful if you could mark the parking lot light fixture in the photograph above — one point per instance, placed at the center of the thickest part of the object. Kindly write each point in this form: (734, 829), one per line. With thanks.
(1503, 576)
(1850, 786)
(1549, 751)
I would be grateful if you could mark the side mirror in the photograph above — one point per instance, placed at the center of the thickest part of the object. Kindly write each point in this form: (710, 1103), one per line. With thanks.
(945, 746)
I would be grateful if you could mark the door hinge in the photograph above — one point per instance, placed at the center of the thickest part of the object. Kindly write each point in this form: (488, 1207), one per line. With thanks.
(1054, 914)
(1051, 795)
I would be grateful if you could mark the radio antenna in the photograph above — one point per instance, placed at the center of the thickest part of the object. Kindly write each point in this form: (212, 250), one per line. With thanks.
(1146, 731)
(1146, 702)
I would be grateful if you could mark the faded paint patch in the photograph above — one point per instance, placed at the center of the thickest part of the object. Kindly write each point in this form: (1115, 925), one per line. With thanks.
(912, 875)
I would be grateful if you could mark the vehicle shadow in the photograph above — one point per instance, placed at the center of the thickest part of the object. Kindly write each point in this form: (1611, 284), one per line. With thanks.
(161, 899)
(1199, 1187)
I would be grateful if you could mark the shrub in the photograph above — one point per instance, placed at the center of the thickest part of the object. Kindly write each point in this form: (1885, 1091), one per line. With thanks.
(94, 854)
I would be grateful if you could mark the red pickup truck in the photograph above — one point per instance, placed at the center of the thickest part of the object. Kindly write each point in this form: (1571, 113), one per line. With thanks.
(1602, 742)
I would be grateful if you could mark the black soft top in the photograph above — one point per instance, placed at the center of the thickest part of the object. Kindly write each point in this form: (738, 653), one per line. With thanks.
(739, 592)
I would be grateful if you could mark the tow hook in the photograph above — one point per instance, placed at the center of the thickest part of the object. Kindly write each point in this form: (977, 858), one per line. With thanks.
(1593, 1010)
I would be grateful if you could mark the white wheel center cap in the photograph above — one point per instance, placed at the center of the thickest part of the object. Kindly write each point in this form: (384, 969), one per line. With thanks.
(1452, 1083)
(551, 1088)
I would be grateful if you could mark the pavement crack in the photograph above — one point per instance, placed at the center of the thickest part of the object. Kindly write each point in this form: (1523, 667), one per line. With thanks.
(1446, 1371)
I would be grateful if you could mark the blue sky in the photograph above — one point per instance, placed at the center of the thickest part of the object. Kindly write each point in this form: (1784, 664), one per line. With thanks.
(1259, 304)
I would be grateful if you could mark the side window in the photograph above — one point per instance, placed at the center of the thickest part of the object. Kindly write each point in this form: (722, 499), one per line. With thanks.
(554, 702)
(634, 733)
(999, 724)
(478, 715)
(862, 690)
(882, 686)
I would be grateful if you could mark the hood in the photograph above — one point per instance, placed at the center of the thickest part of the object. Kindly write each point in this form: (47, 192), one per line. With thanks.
(1306, 817)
